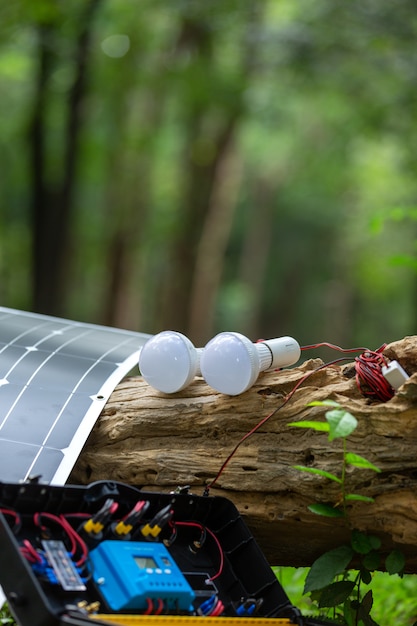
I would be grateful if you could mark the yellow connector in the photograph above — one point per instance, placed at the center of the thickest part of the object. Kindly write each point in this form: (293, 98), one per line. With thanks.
(150, 530)
(122, 529)
(93, 527)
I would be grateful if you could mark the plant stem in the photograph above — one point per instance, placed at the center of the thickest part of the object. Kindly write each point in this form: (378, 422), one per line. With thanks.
(343, 478)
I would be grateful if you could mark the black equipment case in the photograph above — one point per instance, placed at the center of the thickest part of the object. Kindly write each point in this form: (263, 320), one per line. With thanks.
(57, 568)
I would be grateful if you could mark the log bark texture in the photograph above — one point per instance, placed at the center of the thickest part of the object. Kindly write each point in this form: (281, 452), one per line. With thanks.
(146, 438)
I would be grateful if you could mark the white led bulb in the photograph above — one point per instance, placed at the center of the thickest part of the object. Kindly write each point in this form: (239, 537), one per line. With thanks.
(169, 361)
(231, 363)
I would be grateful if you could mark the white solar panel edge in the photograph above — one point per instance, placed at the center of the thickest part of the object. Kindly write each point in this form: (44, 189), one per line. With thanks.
(37, 316)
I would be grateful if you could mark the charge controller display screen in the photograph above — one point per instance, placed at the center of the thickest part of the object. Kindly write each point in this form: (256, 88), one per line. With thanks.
(145, 562)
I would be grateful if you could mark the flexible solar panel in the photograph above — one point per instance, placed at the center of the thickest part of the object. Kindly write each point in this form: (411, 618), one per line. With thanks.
(55, 377)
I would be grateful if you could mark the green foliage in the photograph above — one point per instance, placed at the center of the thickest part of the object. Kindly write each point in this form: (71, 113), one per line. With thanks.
(329, 579)
(327, 510)
(326, 567)
(339, 424)
(395, 562)
(6, 616)
(394, 598)
(359, 461)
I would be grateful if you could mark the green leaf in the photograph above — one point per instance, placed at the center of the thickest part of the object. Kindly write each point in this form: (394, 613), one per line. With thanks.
(366, 604)
(336, 593)
(326, 567)
(323, 403)
(360, 461)
(366, 576)
(341, 422)
(319, 472)
(371, 561)
(360, 542)
(349, 613)
(327, 510)
(322, 426)
(357, 496)
(395, 562)
(375, 542)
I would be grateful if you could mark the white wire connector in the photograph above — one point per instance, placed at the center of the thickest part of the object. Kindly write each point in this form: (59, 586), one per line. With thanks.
(394, 374)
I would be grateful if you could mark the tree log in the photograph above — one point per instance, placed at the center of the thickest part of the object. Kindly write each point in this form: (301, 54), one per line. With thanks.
(159, 442)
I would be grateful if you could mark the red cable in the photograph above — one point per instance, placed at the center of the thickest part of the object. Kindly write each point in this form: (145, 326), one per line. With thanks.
(325, 344)
(79, 540)
(368, 369)
(218, 609)
(217, 542)
(369, 378)
(37, 518)
(149, 608)
(72, 535)
(268, 417)
(16, 517)
(160, 607)
(30, 553)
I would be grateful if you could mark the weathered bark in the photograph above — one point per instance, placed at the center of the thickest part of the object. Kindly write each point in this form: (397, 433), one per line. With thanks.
(146, 438)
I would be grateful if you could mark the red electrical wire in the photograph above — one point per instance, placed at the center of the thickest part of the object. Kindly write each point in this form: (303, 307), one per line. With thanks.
(76, 542)
(267, 418)
(29, 552)
(160, 607)
(218, 609)
(369, 380)
(217, 542)
(325, 344)
(149, 607)
(368, 368)
(37, 518)
(14, 515)
(79, 540)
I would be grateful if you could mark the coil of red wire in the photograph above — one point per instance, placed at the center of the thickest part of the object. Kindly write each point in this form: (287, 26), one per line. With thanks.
(369, 377)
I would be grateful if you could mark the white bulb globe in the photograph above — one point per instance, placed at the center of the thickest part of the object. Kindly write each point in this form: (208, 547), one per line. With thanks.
(231, 363)
(169, 361)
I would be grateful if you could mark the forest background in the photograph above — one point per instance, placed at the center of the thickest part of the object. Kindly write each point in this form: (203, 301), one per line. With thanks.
(212, 165)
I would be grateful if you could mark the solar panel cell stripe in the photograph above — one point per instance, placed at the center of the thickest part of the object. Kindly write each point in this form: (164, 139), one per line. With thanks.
(74, 389)
(45, 358)
(20, 336)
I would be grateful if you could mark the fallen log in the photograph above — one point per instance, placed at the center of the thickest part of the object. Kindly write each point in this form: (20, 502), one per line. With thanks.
(159, 442)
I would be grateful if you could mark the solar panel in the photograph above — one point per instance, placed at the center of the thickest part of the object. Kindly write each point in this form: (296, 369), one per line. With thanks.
(55, 377)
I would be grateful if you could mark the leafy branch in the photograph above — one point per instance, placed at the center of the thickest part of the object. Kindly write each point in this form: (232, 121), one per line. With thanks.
(339, 424)
(330, 580)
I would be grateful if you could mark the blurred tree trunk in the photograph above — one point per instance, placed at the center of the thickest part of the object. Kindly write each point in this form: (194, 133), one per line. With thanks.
(211, 248)
(128, 204)
(53, 197)
(255, 253)
(199, 246)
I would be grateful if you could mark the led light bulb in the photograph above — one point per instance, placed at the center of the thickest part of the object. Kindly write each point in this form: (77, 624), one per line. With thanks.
(169, 361)
(231, 363)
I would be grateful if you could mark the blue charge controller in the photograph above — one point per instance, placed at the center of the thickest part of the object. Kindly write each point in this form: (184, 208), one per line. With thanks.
(130, 573)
